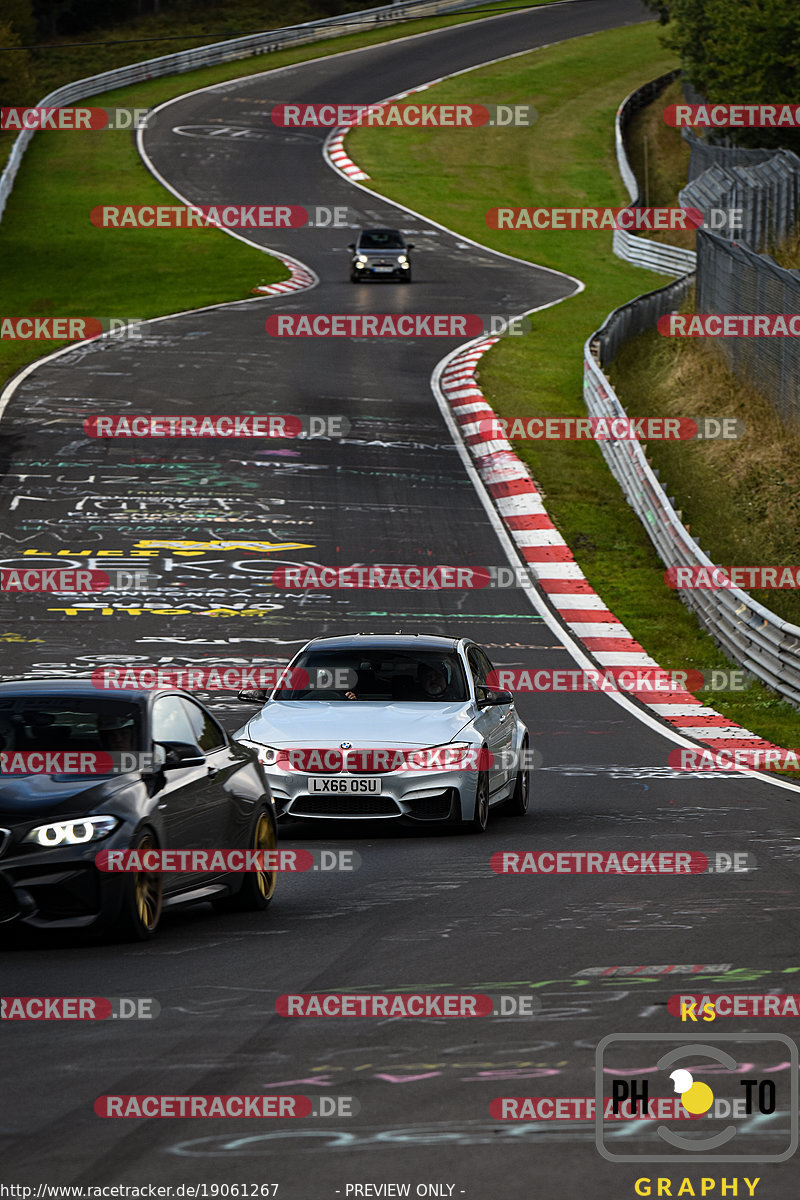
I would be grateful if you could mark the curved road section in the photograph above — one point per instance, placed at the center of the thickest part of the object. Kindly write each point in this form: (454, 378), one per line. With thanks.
(209, 520)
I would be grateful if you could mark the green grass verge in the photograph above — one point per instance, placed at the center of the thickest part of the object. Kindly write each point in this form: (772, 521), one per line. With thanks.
(53, 262)
(568, 159)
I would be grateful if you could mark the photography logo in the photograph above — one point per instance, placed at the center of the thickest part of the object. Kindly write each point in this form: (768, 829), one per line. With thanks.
(685, 1098)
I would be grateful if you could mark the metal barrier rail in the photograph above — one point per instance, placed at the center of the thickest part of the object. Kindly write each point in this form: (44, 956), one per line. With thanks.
(746, 631)
(221, 52)
(642, 252)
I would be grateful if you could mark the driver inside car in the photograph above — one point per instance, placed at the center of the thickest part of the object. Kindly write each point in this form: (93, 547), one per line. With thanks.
(116, 733)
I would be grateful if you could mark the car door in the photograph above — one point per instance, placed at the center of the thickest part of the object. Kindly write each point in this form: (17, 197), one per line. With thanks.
(222, 763)
(185, 796)
(494, 723)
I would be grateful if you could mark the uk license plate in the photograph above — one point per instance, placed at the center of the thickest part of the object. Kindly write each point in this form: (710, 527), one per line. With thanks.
(362, 785)
(383, 268)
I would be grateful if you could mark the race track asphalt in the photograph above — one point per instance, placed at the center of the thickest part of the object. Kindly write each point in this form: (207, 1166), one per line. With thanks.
(424, 910)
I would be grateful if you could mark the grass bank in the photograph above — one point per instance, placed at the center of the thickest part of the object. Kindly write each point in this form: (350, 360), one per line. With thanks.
(566, 159)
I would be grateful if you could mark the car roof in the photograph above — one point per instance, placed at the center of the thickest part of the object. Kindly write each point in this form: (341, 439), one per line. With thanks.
(400, 641)
(80, 687)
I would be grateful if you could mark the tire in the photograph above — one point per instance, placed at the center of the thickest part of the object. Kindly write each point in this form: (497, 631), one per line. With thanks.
(480, 818)
(142, 899)
(258, 888)
(517, 804)
(354, 278)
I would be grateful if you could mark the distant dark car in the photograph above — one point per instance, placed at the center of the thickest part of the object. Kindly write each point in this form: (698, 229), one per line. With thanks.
(380, 254)
(199, 790)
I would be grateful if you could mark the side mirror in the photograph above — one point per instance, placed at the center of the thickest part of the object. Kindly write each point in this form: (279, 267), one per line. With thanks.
(181, 754)
(351, 245)
(252, 695)
(409, 245)
(492, 696)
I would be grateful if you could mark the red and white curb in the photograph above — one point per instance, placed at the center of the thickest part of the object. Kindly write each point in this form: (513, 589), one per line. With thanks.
(301, 278)
(335, 152)
(550, 559)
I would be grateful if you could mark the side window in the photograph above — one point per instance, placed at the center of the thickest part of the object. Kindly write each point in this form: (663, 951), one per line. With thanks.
(486, 666)
(171, 721)
(208, 734)
(476, 666)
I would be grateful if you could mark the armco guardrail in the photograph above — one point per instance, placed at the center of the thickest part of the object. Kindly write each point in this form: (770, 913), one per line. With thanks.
(750, 634)
(221, 52)
(642, 252)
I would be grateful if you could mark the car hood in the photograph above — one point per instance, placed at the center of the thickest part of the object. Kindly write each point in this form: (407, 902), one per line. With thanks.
(59, 795)
(382, 253)
(317, 724)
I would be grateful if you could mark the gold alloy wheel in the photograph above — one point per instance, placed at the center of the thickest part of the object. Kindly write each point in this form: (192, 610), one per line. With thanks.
(265, 839)
(148, 890)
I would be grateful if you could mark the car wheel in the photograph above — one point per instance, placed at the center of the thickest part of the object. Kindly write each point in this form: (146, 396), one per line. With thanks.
(480, 818)
(354, 278)
(142, 898)
(517, 804)
(259, 886)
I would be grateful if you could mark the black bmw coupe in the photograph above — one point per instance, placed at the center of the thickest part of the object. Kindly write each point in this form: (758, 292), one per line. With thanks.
(82, 771)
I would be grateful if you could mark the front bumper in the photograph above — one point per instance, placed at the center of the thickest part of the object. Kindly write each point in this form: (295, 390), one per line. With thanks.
(382, 269)
(414, 796)
(59, 889)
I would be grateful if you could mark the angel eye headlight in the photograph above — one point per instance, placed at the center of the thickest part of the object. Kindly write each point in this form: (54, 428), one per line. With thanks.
(72, 833)
(267, 755)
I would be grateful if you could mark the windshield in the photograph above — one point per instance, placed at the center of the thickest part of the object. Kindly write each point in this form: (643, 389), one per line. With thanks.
(61, 723)
(381, 239)
(379, 673)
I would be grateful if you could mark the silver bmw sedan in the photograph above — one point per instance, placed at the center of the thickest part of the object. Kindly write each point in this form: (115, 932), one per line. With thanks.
(398, 727)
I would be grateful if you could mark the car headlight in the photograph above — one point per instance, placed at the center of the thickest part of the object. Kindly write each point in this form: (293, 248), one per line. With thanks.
(451, 756)
(72, 833)
(267, 755)
(401, 258)
(361, 260)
